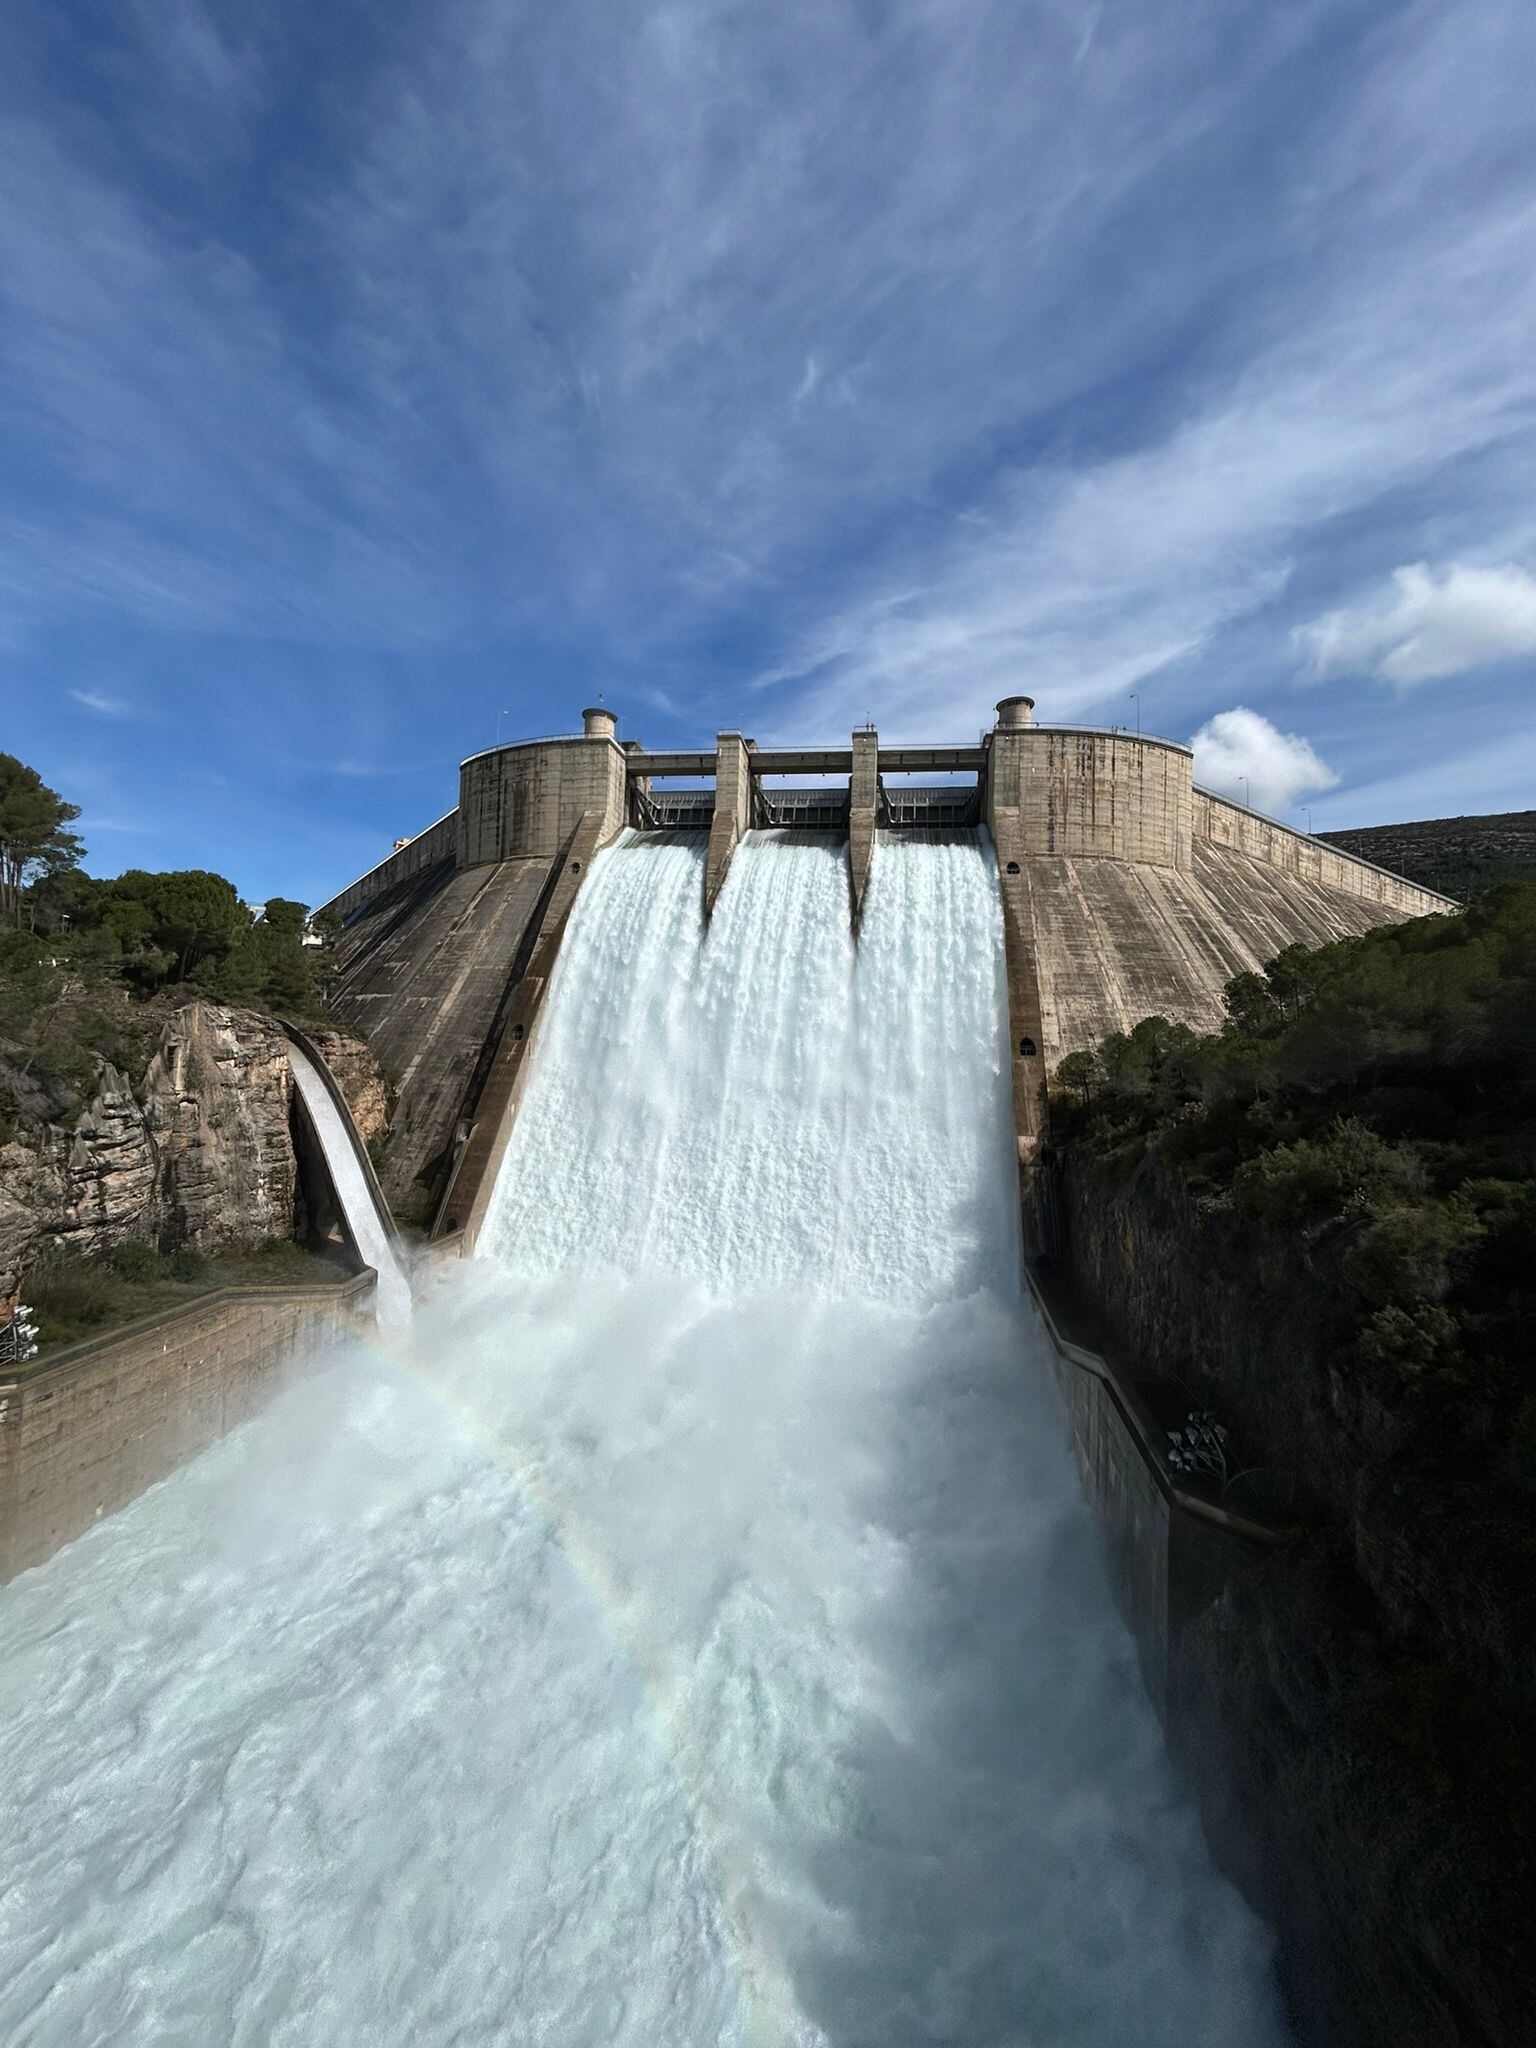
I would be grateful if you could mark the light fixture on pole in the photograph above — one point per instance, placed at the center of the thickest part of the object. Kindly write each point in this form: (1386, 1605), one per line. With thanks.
(1136, 700)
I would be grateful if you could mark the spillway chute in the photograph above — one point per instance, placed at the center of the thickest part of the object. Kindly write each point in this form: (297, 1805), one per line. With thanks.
(359, 1199)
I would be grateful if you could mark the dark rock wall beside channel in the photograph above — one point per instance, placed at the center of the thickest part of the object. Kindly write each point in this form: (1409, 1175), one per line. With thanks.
(1313, 1703)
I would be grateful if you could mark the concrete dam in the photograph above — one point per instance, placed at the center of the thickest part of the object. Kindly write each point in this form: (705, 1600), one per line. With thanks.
(691, 1628)
(1125, 892)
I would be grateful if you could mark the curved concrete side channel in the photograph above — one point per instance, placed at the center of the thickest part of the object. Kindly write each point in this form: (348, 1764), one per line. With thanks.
(359, 1199)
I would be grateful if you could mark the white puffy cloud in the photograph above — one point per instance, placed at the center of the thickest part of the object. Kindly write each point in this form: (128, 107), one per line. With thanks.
(1429, 626)
(1239, 746)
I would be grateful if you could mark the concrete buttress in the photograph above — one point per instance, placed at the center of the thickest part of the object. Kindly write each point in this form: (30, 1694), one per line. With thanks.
(863, 804)
(733, 812)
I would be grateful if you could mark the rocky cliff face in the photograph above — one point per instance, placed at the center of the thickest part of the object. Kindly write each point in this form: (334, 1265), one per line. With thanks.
(198, 1154)
(88, 1189)
(1353, 1712)
(216, 1105)
(359, 1079)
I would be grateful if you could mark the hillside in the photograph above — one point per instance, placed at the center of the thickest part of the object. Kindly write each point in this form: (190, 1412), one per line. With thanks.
(1318, 1226)
(1462, 856)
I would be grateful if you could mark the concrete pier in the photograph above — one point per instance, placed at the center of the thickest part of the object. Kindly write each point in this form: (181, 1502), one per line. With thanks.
(863, 803)
(732, 815)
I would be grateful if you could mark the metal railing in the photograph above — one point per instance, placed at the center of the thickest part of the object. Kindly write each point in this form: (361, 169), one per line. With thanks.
(802, 810)
(951, 805)
(18, 1336)
(671, 810)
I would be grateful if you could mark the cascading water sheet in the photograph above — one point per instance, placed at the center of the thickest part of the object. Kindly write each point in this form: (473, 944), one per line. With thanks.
(774, 1107)
(370, 1232)
(696, 1635)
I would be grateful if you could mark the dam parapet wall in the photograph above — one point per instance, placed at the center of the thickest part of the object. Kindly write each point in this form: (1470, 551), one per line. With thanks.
(1221, 822)
(437, 845)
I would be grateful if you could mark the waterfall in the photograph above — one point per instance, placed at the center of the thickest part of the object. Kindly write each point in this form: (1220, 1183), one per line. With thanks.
(693, 1634)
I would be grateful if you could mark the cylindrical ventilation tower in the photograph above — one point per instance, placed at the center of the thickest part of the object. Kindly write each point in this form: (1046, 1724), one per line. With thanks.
(1014, 713)
(599, 723)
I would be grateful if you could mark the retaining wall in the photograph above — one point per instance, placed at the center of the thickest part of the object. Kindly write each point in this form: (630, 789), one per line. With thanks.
(85, 1430)
(1170, 1552)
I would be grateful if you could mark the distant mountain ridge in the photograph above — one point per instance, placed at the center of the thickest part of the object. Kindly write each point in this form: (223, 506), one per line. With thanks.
(1461, 856)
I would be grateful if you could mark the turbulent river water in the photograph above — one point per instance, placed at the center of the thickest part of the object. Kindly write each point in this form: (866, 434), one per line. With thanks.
(691, 1632)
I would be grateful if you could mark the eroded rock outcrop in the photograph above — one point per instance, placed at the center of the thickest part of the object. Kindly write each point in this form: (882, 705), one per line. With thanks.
(87, 1188)
(359, 1079)
(216, 1104)
(198, 1154)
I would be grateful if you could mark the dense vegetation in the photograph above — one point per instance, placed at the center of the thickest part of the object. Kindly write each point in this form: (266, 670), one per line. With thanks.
(1362, 1137)
(90, 968)
(1321, 1222)
(1388, 1081)
(1461, 857)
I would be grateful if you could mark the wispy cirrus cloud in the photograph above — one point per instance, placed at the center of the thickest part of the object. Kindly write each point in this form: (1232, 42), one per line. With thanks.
(104, 705)
(1084, 578)
(891, 359)
(1430, 626)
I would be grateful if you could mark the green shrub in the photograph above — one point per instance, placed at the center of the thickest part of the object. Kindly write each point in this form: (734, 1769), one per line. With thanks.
(136, 1262)
(1343, 1173)
(1405, 1343)
(70, 1296)
(1411, 1253)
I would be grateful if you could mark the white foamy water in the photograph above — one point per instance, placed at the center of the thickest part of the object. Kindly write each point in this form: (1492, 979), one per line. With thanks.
(695, 1636)
(370, 1234)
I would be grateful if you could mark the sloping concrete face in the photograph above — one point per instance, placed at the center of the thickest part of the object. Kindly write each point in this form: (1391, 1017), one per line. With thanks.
(1116, 941)
(467, 1197)
(440, 933)
(424, 972)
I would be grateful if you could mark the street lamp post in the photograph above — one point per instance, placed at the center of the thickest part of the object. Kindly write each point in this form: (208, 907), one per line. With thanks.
(1247, 793)
(1136, 700)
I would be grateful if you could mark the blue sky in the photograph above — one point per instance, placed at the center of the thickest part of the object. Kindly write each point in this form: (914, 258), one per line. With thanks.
(367, 373)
